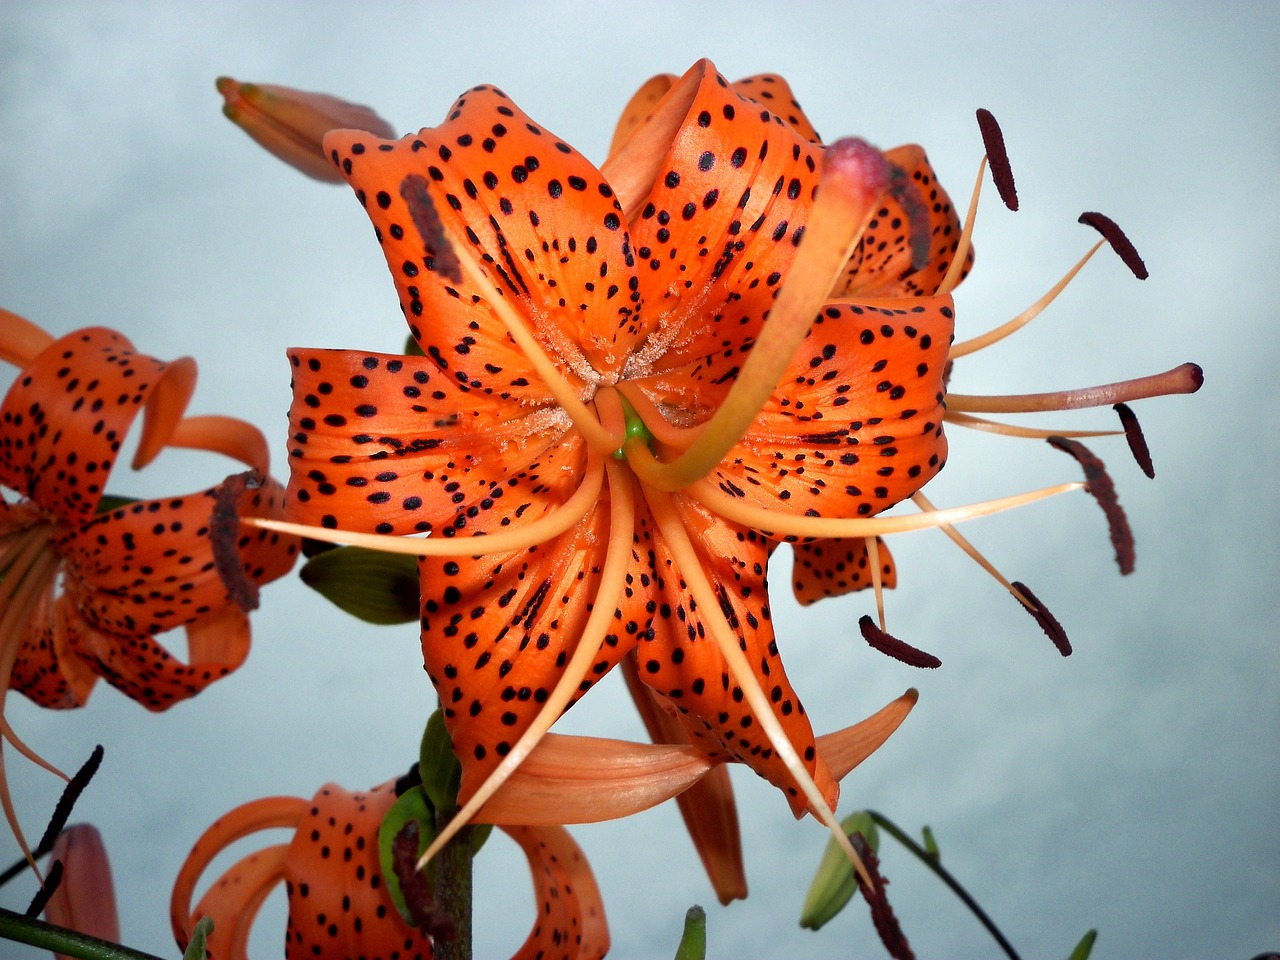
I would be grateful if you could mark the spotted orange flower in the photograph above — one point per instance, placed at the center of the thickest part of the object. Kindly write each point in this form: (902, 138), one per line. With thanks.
(88, 580)
(636, 380)
(339, 904)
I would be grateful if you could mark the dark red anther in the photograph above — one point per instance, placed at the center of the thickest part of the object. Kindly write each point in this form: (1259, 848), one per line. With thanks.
(1098, 483)
(997, 158)
(425, 913)
(903, 189)
(1048, 622)
(70, 794)
(224, 535)
(1137, 442)
(426, 219)
(47, 889)
(893, 647)
(882, 915)
(1121, 244)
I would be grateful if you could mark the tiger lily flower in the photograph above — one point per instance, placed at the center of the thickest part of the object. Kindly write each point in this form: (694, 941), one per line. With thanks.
(564, 780)
(605, 434)
(88, 580)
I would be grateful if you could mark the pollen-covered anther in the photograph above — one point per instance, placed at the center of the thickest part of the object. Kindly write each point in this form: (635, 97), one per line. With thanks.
(1137, 442)
(1099, 484)
(891, 646)
(1120, 243)
(1048, 622)
(998, 158)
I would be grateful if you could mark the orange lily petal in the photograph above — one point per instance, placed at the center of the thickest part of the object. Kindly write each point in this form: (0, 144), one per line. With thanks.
(235, 899)
(640, 107)
(774, 93)
(21, 341)
(85, 900)
(832, 568)
(845, 749)
(571, 917)
(91, 384)
(229, 436)
(708, 808)
(544, 223)
(292, 123)
(47, 670)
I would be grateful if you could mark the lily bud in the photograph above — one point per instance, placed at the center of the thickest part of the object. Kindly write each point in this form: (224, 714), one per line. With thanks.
(292, 123)
(85, 901)
(835, 883)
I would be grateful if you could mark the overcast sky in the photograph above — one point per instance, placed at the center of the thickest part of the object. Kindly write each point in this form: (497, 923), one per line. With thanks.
(1133, 787)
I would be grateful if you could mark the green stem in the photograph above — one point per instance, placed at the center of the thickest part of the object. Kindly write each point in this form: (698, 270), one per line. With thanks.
(37, 933)
(453, 893)
(933, 864)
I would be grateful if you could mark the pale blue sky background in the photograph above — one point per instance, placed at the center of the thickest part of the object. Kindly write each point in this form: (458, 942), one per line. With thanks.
(1134, 787)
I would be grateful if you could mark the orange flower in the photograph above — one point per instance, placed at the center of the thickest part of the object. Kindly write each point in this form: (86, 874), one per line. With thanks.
(605, 436)
(339, 902)
(88, 580)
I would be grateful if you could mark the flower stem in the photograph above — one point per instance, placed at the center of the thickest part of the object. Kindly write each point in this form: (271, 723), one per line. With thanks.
(453, 892)
(933, 864)
(37, 933)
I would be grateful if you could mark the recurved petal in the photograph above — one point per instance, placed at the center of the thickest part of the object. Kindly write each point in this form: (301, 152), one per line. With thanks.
(708, 808)
(680, 660)
(881, 265)
(292, 123)
(335, 908)
(832, 568)
(234, 899)
(390, 444)
(85, 900)
(855, 424)
(570, 912)
(538, 216)
(47, 670)
(639, 108)
(68, 412)
(774, 94)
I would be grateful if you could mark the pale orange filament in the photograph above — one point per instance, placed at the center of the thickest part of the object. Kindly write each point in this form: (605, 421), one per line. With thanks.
(622, 515)
(1014, 430)
(1181, 379)
(531, 534)
(956, 269)
(921, 501)
(852, 182)
(682, 550)
(1026, 316)
(877, 581)
(777, 523)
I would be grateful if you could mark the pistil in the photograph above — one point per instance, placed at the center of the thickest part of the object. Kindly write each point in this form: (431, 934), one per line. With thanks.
(1186, 378)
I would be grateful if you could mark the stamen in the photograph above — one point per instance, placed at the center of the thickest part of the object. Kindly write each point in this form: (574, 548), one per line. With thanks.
(956, 270)
(677, 541)
(1121, 244)
(1137, 442)
(436, 241)
(21, 341)
(48, 887)
(781, 524)
(612, 580)
(921, 501)
(538, 531)
(67, 801)
(1186, 378)
(893, 647)
(1001, 171)
(1048, 622)
(974, 344)
(854, 176)
(877, 580)
(224, 536)
(1104, 491)
(1015, 430)
(882, 915)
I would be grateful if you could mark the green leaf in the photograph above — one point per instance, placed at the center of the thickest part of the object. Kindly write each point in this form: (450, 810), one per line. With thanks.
(441, 772)
(931, 844)
(693, 942)
(195, 948)
(377, 587)
(1084, 947)
(412, 805)
(835, 883)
